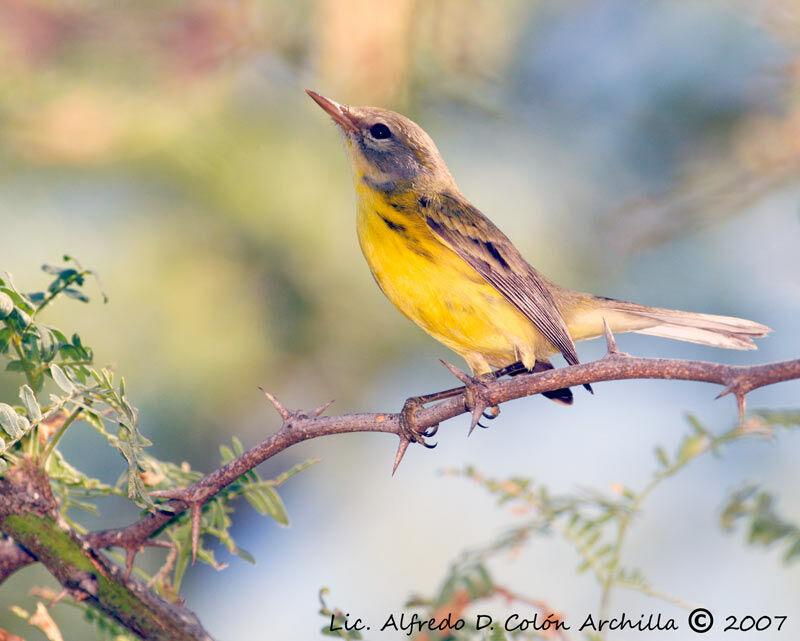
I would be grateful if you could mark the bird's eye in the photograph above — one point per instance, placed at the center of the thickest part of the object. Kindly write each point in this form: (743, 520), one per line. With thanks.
(380, 131)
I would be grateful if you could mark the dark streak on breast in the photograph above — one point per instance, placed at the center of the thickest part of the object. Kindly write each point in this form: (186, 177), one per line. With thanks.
(400, 229)
(419, 251)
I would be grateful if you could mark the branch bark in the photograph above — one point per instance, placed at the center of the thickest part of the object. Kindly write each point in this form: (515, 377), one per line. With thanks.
(298, 426)
(28, 513)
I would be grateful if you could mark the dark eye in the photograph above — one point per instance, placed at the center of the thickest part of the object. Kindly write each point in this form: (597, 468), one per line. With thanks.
(380, 131)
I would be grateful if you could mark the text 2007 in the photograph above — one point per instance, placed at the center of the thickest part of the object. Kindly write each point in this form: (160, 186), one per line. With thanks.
(747, 623)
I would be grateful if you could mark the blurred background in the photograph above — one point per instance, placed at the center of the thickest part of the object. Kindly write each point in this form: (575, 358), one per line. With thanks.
(646, 150)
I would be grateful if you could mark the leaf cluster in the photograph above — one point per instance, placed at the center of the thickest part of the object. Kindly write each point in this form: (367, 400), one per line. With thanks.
(61, 388)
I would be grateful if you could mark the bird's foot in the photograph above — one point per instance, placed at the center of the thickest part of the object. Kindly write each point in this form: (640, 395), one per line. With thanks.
(408, 425)
(476, 397)
(410, 432)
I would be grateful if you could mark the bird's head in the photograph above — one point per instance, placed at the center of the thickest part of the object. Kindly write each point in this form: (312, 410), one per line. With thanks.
(387, 151)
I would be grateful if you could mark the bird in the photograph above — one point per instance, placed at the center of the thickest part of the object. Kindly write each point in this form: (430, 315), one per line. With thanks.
(450, 269)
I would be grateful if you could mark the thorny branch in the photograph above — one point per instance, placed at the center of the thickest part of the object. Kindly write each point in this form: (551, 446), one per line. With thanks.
(474, 397)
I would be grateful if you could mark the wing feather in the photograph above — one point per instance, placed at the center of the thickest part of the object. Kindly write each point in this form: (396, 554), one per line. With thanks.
(489, 252)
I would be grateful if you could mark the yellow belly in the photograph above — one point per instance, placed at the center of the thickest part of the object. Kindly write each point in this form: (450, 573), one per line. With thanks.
(440, 292)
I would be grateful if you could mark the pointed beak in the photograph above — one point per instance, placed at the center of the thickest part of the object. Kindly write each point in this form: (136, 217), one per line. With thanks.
(339, 113)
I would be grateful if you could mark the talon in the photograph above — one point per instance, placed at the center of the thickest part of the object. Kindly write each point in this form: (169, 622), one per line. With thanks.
(409, 432)
(492, 413)
(475, 399)
(431, 431)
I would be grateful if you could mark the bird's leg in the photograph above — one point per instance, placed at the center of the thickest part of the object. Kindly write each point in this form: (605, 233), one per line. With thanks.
(412, 404)
(408, 422)
(475, 394)
(411, 434)
(493, 412)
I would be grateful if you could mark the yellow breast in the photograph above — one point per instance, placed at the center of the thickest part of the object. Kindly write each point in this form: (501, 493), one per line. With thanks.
(436, 289)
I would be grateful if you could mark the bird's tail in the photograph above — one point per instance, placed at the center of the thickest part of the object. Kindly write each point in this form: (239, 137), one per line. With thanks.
(706, 329)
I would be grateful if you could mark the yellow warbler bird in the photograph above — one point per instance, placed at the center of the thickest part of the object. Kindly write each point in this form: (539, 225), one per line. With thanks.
(449, 269)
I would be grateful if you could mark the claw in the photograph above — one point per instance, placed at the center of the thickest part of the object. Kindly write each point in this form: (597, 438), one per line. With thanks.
(409, 431)
(492, 413)
(474, 395)
(431, 431)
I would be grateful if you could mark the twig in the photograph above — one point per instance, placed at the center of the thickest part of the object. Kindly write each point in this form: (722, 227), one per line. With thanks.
(12, 558)
(298, 426)
(301, 426)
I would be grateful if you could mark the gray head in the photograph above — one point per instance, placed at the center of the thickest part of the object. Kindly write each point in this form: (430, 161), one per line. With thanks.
(386, 150)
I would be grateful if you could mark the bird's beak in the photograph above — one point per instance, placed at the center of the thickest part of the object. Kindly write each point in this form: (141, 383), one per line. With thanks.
(340, 113)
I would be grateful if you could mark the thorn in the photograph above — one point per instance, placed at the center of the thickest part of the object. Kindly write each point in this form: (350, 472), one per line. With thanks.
(284, 413)
(196, 508)
(740, 405)
(401, 452)
(320, 409)
(176, 494)
(157, 543)
(58, 597)
(478, 406)
(463, 377)
(130, 556)
(611, 342)
(740, 399)
(724, 392)
(197, 514)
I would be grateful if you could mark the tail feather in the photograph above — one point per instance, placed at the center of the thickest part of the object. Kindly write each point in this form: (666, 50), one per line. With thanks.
(706, 329)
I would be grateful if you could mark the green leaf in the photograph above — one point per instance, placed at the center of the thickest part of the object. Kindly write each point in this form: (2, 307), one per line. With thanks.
(76, 294)
(9, 420)
(5, 337)
(793, 551)
(237, 446)
(6, 305)
(15, 366)
(20, 319)
(47, 344)
(30, 403)
(225, 454)
(244, 555)
(275, 507)
(61, 379)
(691, 447)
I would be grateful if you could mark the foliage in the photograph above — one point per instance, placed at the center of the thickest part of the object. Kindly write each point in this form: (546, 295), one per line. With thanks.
(756, 506)
(595, 526)
(79, 392)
